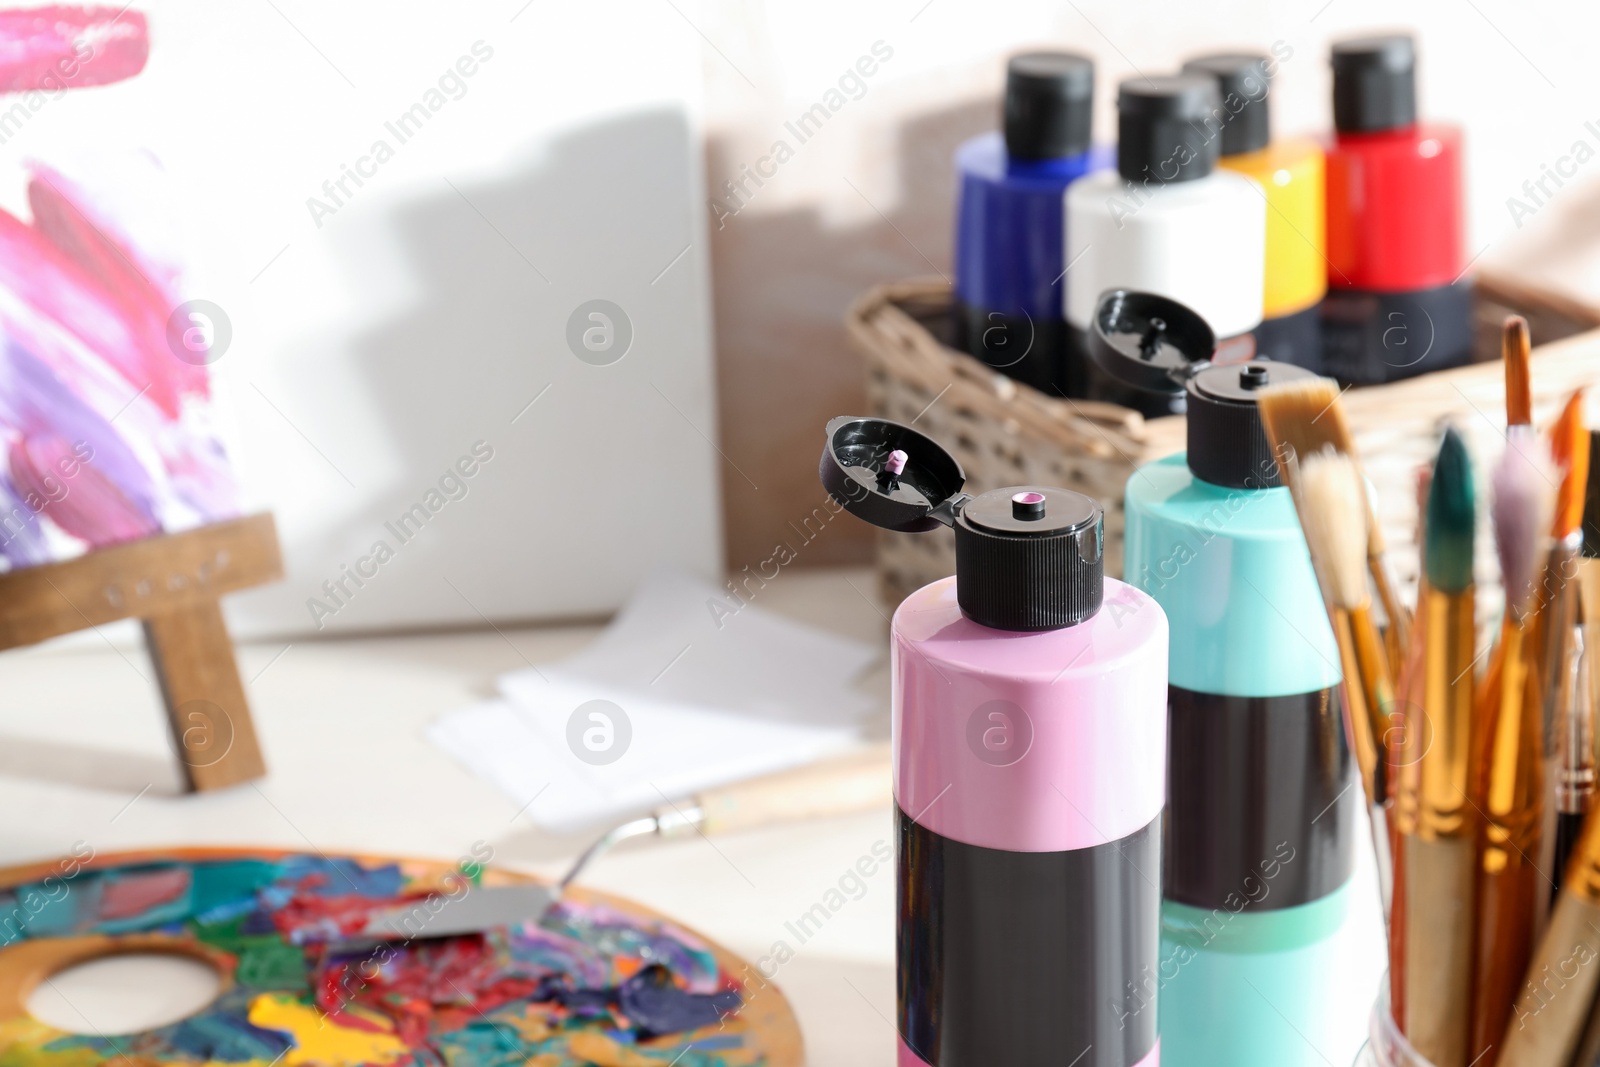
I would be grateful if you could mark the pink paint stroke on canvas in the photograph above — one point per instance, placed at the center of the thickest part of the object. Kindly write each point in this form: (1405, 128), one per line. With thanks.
(49, 49)
(106, 434)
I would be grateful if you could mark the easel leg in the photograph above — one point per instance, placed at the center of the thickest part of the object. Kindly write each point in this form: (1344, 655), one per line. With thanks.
(206, 707)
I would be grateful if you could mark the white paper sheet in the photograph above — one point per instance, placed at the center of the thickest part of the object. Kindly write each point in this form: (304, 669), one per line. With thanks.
(703, 697)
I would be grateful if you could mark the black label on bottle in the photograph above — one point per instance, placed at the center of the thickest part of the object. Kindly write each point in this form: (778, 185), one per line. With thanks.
(1017, 959)
(1370, 338)
(1252, 780)
(1031, 350)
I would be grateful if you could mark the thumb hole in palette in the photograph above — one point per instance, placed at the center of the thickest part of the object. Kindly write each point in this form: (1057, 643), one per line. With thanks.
(124, 993)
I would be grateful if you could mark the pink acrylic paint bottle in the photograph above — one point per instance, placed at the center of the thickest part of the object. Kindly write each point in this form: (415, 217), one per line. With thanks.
(1030, 718)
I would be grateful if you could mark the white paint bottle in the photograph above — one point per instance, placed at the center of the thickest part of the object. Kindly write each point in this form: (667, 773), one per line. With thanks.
(1168, 222)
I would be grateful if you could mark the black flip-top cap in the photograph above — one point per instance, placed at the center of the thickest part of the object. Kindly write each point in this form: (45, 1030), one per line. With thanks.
(1049, 105)
(1243, 81)
(1591, 501)
(1148, 341)
(1027, 557)
(1159, 344)
(1030, 557)
(853, 471)
(1167, 128)
(1227, 442)
(1374, 83)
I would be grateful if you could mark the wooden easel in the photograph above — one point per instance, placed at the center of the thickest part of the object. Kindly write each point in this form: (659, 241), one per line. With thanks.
(172, 584)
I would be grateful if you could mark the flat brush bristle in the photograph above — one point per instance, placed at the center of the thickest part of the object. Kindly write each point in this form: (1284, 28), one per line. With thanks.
(1514, 349)
(1452, 515)
(1523, 501)
(1333, 499)
(1304, 414)
(1569, 445)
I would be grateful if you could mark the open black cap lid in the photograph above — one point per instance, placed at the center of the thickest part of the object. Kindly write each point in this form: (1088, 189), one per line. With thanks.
(1150, 342)
(855, 471)
(1027, 557)
(1158, 344)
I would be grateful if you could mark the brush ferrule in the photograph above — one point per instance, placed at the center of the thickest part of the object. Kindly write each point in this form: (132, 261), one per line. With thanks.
(1563, 700)
(1444, 808)
(1575, 728)
(679, 820)
(1574, 790)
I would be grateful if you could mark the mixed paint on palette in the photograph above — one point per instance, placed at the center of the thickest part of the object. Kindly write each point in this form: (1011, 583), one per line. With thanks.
(106, 421)
(587, 986)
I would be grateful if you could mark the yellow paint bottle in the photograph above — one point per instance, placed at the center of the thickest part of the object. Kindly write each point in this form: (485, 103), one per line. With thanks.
(1291, 173)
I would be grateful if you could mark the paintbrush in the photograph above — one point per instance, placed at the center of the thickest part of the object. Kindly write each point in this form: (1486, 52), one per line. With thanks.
(1516, 351)
(1331, 498)
(1508, 743)
(1589, 573)
(1404, 747)
(1584, 690)
(1439, 854)
(1558, 990)
(843, 785)
(1569, 446)
(1589, 562)
(1585, 695)
(1304, 417)
(1575, 763)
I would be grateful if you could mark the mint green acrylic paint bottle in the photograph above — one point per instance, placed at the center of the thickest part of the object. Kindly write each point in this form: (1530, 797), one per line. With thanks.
(1261, 812)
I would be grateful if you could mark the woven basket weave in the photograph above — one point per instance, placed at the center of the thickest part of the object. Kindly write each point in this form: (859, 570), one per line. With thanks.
(1004, 433)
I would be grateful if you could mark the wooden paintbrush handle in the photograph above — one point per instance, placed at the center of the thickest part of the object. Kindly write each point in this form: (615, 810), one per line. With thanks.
(856, 782)
(1358, 718)
(1399, 633)
(1440, 880)
(1383, 856)
(1589, 1048)
(1548, 1019)
(1377, 682)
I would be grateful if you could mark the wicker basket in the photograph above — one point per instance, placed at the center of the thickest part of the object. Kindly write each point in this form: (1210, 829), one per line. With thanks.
(1004, 433)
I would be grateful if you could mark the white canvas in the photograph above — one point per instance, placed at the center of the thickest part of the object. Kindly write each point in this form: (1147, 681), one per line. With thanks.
(389, 335)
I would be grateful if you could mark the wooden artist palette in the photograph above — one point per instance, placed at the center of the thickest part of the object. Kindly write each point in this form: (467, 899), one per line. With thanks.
(586, 988)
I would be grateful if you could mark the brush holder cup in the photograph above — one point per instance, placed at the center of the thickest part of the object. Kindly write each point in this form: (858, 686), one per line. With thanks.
(1386, 1046)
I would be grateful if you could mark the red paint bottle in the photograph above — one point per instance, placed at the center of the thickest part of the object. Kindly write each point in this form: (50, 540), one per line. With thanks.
(1396, 304)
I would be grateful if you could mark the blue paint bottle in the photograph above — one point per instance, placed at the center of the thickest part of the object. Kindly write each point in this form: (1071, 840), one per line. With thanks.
(1261, 814)
(1007, 309)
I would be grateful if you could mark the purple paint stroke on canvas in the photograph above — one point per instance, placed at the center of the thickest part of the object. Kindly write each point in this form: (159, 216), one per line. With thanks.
(105, 434)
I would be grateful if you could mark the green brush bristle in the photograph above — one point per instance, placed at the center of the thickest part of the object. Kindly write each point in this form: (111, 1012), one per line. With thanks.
(1452, 518)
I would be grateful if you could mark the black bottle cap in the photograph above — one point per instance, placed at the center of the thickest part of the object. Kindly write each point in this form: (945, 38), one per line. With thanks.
(1374, 84)
(1243, 82)
(1027, 557)
(1227, 443)
(1591, 501)
(1049, 105)
(1160, 345)
(1167, 128)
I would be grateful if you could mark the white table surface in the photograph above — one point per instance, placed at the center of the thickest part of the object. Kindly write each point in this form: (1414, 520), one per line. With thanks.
(84, 756)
